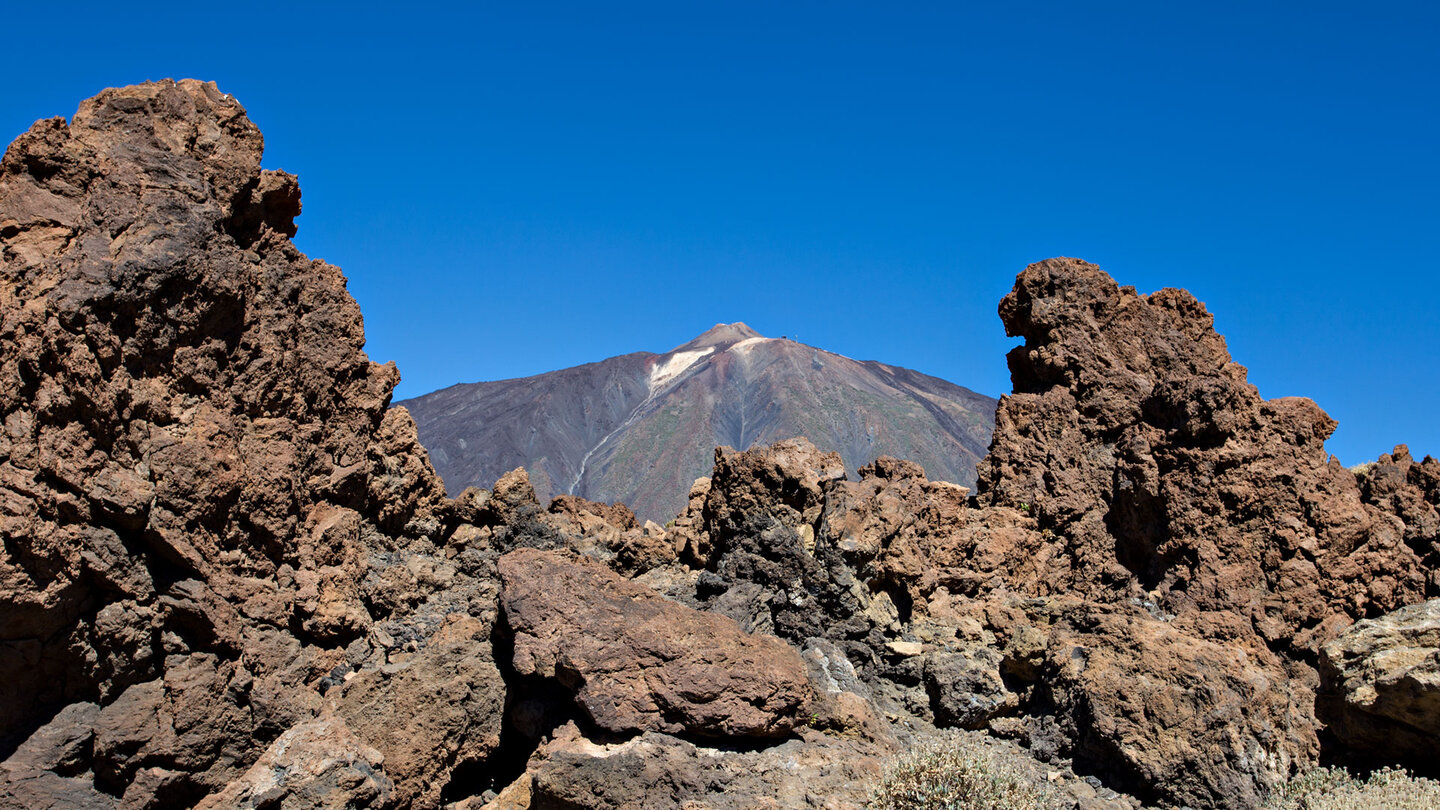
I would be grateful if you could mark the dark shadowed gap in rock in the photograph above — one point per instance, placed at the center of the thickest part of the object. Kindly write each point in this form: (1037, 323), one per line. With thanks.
(165, 565)
(41, 713)
(1135, 520)
(899, 596)
(1334, 752)
(534, 709)
(1101, 756)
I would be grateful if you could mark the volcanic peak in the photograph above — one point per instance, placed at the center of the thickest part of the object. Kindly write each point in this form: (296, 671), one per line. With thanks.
(718, 336)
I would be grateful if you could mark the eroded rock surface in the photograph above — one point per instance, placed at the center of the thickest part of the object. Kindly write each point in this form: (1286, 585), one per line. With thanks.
(1132, 434)
(663, 772)
(1205, 543)
(1178, 719)
(639, 662)
(207, 508)
(230, 577)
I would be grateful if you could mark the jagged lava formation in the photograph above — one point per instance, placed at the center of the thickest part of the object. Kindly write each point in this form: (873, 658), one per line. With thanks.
(231, 578)
(640, 427)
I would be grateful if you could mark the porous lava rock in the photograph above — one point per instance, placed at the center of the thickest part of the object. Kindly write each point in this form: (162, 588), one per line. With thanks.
(1179, 720)
(431, 711)
(317, 764)
(1410, 490)
(639, 662)
(206, 505)
(963, 629)
(611, 532)
(966, 687)
(1206, 543)
(762, 562)
(1132, 435)
(229, 576)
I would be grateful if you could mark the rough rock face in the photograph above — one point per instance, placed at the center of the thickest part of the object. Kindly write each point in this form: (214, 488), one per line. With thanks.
(639, 662)
(1380, 683)
(966, 687)
(229, 576)
(666, 773)
(206, 506)
(927, 595)
(1133, 434)
(1181, 719)
(316, 764)
(1205, 544)
(1410, 490)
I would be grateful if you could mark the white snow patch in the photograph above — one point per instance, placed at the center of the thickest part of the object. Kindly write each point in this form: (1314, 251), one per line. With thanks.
(747, 343)
(675, 366)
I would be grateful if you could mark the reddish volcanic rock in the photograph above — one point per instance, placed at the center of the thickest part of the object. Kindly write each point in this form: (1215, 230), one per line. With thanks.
(1133, 469)
(199, 474)
(1178, 718)
(1133, 435)
(1410, 490)
(317, 764)
(229, 575)
(639, 662)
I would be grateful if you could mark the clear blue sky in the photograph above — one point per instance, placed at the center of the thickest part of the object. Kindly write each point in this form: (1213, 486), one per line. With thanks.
(513, 188)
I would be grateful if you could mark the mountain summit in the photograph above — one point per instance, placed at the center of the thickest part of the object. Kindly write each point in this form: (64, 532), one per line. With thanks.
(720, 335)
(641, 427)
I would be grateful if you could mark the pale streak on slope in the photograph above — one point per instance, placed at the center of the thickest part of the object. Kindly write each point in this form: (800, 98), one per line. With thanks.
(745, 345)
(674, 367)
(661, 374)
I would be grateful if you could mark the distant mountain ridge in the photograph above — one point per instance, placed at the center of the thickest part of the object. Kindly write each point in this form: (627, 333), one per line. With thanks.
(641, 427)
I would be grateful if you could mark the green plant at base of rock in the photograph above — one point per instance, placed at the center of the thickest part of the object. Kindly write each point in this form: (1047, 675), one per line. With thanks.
(1337, 789)
(957, 773)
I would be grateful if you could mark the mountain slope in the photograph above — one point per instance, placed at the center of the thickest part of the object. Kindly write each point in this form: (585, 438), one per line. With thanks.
(641, 427)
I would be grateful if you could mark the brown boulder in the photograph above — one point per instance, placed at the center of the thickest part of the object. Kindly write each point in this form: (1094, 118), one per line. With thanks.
(611, 533)
(665, 773)
(41, 773)
(317, 765)
(432, 711)
(639, 662)
(783, 481)
(966, 687)
(1164, 714)
(576, 508)
(764, 564)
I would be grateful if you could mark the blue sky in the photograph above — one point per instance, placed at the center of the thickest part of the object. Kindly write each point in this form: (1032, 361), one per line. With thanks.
(514, 188)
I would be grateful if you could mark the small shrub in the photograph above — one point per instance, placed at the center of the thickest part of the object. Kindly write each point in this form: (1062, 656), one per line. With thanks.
(1337, 789)
(957, 773)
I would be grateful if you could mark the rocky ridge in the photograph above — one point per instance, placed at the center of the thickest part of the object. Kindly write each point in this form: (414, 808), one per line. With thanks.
(230, 576)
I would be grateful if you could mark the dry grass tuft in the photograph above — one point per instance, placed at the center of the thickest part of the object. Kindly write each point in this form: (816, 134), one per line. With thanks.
(1337, 789)
(957, 773)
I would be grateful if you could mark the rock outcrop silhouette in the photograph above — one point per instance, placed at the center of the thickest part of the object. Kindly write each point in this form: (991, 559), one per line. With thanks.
(230, 577)
(209, 512)
(1132, 434)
